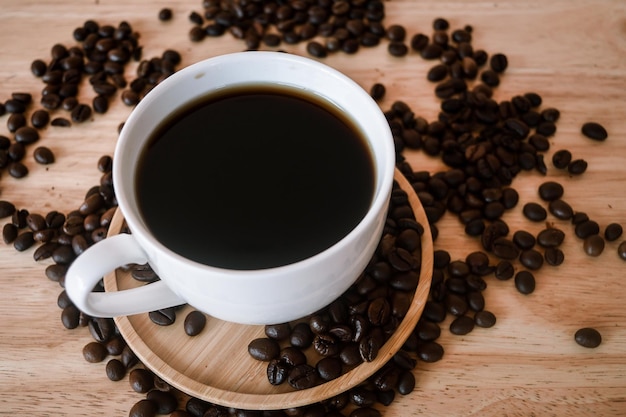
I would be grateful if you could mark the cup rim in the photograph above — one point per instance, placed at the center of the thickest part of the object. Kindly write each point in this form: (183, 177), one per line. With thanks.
(381, 192)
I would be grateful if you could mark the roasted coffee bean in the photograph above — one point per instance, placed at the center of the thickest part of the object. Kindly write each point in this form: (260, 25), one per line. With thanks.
(561, 209)
(371, 344)
(362, 396)
(115, 370)
(504, 248)
(561, 159)
(163, 317)
(593, 245)
(523, 239)
(398, 49)
(550, 237)
(36, 222)
(194, 323)
(406, 382)
(292, 356)
(17, 170)
(434, 311)
(43, 155)
(588, 337)
(595, 131)
(63, 255)
(456, 305)
(550, 191)
(484, 319)
(94, 352)
(475, 300)
(70, 317)
(143, 408)
(427, 331)
(329, 368)
(101, 329)
(6, 209)
(26, 135)
(302, 377)
(141, 380)
(525, 282)
(301, 335)
(587, 228)
(554, 256)
(430, 352)
(621, 250)
(577, 166)
(437, 73)
(579, 217)
(535, 212)
(264, 349)
(377, 92)
(165, 401)
(613, 231)
(165, 14)
(9, 233)
(462, 325)
(15, 122)
(24, 241)
(128, 357)
(316, 49)
(81, 113)
(531, 259)
(279, 331)
(60, 122)
(115, 345)
(100, 104)
(277, 372)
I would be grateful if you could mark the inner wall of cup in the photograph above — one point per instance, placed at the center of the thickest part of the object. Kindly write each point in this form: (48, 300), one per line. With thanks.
(242, 69)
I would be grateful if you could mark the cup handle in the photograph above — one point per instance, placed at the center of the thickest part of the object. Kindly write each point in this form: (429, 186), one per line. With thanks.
(100, 259)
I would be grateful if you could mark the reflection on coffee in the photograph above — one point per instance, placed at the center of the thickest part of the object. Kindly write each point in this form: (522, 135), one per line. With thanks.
(254, 177)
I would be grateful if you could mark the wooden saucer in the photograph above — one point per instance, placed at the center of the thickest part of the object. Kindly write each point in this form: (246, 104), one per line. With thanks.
(215, 365)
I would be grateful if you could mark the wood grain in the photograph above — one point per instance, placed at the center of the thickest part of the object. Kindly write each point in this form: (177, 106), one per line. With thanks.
(571, 52)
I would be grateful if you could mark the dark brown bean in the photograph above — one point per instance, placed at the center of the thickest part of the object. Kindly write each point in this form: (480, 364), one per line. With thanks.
(595, 131)
(115, 370)
(43, 155)
(194, 323)
(594, 245)
(264, 349)
(141, 380)
(94, 352)
(588, 337)
(163, 317)
(525, 282)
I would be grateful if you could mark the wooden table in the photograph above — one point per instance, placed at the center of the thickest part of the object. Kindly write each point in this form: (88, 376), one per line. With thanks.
(571, 52)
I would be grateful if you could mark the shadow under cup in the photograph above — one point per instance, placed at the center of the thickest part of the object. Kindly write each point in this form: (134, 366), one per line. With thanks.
(161, 197)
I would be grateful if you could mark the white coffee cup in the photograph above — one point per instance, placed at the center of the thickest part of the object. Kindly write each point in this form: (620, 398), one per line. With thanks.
(264, 296)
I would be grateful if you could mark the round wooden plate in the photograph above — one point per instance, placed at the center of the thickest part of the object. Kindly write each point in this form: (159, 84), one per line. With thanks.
(215, 365)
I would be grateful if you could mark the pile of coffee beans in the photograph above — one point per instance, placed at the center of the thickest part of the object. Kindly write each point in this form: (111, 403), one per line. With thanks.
(484, 143)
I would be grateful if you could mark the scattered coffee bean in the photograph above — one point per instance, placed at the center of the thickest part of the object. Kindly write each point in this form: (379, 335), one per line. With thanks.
(550, 237)
(163, 317)
(264, 349)
(550, 191)
(430, 352)
(141, 380)
(593, 245)
(43, 155)
(302, 377)
(165, 14)
(165, 401)
(587, 228)
(525, 282)
(561, 159)
(588, 337)
(531, 259)
(577, 166)
(94, 352)
(613, 231)
(194, 323)
(554, 256)
(594, 131)
(484, 319)
(534, 212)
(462, 325)
(115, 370)
(81, 113)
(9, 233)
(560, 209)
(60, 122)
(143, 408)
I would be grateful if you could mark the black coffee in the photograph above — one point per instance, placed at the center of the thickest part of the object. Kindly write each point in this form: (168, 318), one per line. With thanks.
(256, 177)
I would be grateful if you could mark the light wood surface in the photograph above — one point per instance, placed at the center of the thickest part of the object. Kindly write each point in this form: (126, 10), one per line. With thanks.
(571, 52)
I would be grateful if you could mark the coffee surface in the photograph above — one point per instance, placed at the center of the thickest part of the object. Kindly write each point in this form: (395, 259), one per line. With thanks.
(254, 178)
